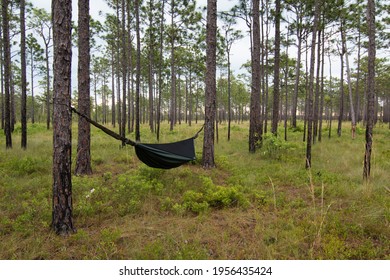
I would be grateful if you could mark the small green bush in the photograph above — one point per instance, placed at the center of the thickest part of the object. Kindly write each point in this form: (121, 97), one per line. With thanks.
(274, 147)
(211, 196)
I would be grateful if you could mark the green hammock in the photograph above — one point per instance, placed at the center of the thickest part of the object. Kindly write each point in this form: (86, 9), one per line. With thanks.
(165, 156)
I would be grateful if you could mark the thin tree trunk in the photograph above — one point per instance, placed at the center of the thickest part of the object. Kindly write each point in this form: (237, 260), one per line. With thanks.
(317, 90)
(322, 85)
(275, 114)
(297, 76)
(113, 113)
(254, 131)
(151, 115)
(124, 72)
(118, 66)
(23, 74)
(13, 105)
(286, 97)
(370, 88)
(351, 106)
(229, 94)
(173, 73)
(266, 67)
(305, 117)
(130, 83)
(341, 114)
(311, 83)
(32, 86)
(138, 74)
(160, 79)
(7, 73)
(48, 116)
(2, 80)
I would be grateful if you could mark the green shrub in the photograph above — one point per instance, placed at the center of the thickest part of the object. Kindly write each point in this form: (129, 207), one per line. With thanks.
(274, 147)
(211, 196)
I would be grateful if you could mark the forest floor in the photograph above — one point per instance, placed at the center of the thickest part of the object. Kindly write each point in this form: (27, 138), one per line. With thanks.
(252, 206)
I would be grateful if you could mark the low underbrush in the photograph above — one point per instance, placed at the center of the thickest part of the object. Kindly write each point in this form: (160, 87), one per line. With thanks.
(252, 206)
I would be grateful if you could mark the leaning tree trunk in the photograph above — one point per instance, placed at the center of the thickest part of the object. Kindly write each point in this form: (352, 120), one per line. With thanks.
(62, 219)
(370, 88)
(211, 39)
(83, 162)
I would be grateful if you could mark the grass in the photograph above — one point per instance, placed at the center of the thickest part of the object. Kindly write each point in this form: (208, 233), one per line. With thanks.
(252, 206)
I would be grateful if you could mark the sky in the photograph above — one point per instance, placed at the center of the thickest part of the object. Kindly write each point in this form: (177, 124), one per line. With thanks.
(240, 52)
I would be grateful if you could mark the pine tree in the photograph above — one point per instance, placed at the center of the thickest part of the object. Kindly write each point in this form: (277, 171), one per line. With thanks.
(255, 113)
(23, 106)
(83, 161)
(370, 88)
(62, 218)
(7, 73)
(210, 103)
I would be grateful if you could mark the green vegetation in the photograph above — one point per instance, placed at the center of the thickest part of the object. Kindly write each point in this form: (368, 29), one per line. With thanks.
(252, 206)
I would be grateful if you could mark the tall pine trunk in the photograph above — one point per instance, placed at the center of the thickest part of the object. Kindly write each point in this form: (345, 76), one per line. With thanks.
(210, 94)
(370, 88)
(23, 74)
(83, 161)
(62, 219)
(150, 77)
(7, 73)
(173, 73)
(48, 97)
(138, 73)
(311, 83)
(297, 74)
(275, 111)
(255, 110)
(351, 105)
(160, 69)
(124, 72)
(341, 112)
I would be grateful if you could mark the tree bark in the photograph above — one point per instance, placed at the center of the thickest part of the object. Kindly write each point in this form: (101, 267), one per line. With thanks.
(62, 219)
(351, 106)
(297, 73)
(160, 69)
(7, 74)
(210, 94)
(341, 114)
(370, 88)
(173, 73)
(255, 114)
(311, 84)
(23, 74)
(83, 161)
(124, 72)
(150, 78)
(317, 90)
(138, 74)
(275, 109)
(48, 97)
